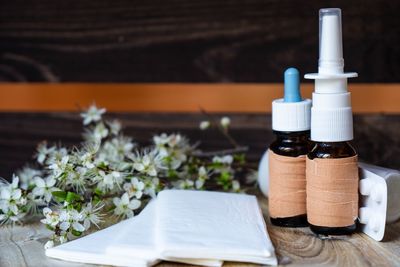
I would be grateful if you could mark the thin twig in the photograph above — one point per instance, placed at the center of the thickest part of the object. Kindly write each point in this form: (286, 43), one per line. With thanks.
(220, 152)
(220, 128)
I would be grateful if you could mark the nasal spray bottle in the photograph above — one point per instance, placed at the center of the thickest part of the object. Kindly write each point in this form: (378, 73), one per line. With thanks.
(332, 175)
(287, 155)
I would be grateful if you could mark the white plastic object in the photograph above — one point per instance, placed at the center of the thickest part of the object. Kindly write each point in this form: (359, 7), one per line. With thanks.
(331, 113)
(263, 174)
(291, 116)
(392, 183)
(373, 204)
(291, 113)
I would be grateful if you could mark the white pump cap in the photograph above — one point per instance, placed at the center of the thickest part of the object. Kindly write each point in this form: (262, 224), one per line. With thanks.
(291, 113)
(331, 114)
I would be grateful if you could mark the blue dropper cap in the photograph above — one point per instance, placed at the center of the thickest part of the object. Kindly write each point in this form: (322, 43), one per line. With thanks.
(292, 86)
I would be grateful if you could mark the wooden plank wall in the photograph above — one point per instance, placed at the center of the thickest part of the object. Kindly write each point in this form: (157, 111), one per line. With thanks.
(189, 40)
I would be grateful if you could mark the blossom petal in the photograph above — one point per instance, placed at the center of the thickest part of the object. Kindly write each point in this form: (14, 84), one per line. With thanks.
(125, 199)
(39, 182)
(134, 204)
(78, 227)
(64, 226)
(129, 213)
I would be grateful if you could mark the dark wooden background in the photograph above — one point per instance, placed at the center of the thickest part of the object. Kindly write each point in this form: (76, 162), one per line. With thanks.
(189, 40)
(376, 136)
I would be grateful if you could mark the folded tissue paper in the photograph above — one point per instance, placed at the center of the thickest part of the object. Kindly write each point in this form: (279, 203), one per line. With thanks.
(125, 242)
(195, 227)
(93, 248)
(211, 225)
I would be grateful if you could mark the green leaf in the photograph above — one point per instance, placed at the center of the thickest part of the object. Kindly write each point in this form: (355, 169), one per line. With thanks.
(76, 233)
(50, 227)
(240, 158)
(59, 195)
(96, 199)
(98, 192)
(72, 197)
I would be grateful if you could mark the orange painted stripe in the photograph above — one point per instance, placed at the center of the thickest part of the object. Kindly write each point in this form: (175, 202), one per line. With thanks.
(366, 98)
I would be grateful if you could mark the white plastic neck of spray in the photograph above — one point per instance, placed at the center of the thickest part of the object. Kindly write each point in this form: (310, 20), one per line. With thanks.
(331, 115)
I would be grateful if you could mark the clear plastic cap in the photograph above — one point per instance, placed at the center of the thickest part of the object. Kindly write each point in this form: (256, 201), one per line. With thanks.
(330, 41)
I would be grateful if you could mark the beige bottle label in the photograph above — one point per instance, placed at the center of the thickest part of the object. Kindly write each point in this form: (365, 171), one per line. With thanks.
(332, 191)
(287, 188)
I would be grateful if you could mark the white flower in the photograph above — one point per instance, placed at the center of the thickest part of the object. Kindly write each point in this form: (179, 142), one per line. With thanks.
(71, 218)
(77, 179)
(235, 186)
(134, 188)
(11, 200)
(203, 173)
(43, 151)
(63, 238)
(161, 140)
(57, 155)
(60, 166)
(91, 215)
(199, 183)
(177, 140)
(146, 164)
(100, 131)
(124, 206)
(185, 184)
(151, 187)
(118, 148)
(87, 160)
(202, 177)
(225, 122)
(44, 188)
(172, 150)
(52, 218)
(228, 159)
(204, 125)
(93, 114)
(49, 244)
(108, 181)
(115, 126)
(27, 175)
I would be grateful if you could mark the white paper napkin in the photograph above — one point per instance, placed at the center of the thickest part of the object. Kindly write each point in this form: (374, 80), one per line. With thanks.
(137, 239)
(92, 248)
(211, 225)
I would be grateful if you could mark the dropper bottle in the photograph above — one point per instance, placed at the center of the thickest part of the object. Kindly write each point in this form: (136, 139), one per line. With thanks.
(332, 176)
(287, 155)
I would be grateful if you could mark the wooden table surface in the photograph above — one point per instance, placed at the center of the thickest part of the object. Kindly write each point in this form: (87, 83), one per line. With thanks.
(376, 140)
(23, 246)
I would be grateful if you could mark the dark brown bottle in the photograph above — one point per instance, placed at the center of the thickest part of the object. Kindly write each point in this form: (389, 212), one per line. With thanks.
(333, 150)
(291, 144)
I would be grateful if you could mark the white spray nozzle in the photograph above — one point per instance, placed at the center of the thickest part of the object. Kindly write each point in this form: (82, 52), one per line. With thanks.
(330, 41)
(331, 115)
(330, 63)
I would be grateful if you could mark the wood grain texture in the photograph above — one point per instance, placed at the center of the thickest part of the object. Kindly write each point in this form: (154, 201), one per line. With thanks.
(376, 140)
(189, 41)
(366, 98)
(376, 136)
(22, 246)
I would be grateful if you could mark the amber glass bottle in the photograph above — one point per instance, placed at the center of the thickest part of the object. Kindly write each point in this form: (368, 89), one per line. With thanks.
(291, 144)
(332, 150)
